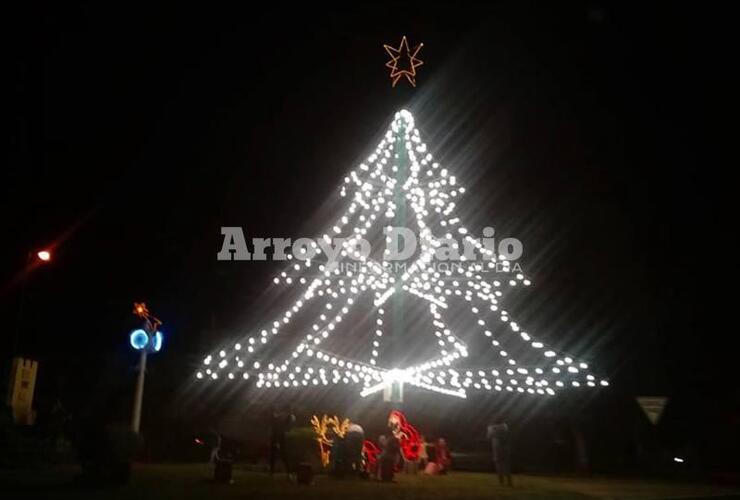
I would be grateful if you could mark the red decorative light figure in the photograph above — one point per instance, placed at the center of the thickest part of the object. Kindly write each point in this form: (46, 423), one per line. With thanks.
(406, 434)
(370, 453)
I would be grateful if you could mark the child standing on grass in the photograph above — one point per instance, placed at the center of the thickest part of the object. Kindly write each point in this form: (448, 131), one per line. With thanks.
(498, 433)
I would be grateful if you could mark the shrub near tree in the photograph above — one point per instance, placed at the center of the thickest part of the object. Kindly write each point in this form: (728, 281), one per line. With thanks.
(302, 448)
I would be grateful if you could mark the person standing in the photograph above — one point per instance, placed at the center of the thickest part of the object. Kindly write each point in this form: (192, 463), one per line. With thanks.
(355, 438)
(500, 437)
(423, 454)
(441, 460)
(279, 426)
(443, 457)
(215, 445)
(391, 450)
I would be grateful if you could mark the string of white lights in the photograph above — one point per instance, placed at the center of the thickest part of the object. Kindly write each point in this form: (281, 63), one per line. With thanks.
(430, 192)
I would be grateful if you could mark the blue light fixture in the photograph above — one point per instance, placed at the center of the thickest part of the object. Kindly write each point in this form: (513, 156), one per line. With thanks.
(139, 339)
(156, 342)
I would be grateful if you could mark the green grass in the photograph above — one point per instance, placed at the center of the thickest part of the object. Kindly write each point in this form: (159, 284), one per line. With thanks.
(183, 482)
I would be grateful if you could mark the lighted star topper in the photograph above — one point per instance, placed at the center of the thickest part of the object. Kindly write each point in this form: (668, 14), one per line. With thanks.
(403, 61)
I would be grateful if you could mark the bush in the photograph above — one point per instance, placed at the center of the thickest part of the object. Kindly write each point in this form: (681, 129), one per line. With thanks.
(21, 446)
(301, 447)
(106, 454)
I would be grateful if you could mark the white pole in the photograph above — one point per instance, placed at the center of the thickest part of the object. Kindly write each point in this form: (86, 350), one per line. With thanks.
(139, 396)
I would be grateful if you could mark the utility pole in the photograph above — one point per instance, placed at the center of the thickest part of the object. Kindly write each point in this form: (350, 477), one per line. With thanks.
(148, 339)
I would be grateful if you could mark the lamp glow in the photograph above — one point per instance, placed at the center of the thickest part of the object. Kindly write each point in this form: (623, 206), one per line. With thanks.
(157, 341)
(139, 339)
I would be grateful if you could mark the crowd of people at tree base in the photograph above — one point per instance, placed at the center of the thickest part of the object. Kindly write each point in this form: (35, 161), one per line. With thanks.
(351, 454)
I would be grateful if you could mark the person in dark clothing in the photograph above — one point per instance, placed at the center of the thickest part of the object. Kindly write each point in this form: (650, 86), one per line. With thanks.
(499, 434)
(215, 440)
(279, 425)
(391, 450)
(355, 438)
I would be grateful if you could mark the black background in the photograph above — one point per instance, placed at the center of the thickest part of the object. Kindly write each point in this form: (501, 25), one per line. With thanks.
(589, 131)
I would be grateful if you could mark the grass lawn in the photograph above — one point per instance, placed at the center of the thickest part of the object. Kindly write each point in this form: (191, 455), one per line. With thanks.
(182, 482)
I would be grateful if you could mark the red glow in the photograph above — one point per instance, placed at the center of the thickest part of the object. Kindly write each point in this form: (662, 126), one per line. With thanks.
(407, 434)
(371, 452)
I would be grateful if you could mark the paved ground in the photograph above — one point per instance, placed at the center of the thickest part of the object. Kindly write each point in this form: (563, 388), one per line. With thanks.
(183, 482)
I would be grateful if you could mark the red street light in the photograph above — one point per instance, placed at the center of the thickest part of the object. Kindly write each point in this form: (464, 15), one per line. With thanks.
(44, 255)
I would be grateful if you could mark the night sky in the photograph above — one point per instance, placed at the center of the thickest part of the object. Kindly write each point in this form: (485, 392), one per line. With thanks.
(585, 130)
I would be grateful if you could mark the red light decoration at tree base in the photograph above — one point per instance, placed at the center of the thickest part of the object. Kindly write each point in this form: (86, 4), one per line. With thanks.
(370, 453)
(406, 434)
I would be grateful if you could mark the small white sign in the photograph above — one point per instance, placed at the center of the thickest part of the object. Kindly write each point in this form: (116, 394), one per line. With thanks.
(653, 407)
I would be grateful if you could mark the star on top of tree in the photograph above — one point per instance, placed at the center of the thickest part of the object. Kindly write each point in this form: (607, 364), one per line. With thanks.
(403, 61)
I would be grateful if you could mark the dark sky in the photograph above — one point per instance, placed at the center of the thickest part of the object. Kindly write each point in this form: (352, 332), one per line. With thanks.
(586, 130)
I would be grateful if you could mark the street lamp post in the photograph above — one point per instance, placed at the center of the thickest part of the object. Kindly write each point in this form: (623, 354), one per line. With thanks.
(41, 257)
(148, 339)
(139, 395)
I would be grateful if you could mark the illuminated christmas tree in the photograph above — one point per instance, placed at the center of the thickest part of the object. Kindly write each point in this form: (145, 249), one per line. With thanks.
(399, 185)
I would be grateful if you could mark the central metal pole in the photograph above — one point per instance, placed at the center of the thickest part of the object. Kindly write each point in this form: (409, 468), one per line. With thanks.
(399, 197)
